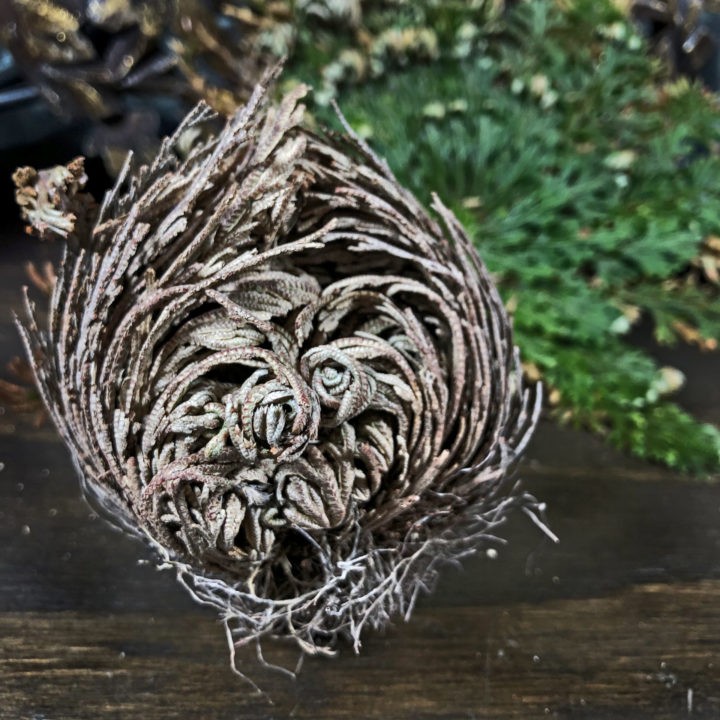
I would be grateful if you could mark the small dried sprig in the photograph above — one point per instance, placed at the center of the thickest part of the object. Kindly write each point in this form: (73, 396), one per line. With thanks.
(51, 200)
(268, 359)
(708, 260)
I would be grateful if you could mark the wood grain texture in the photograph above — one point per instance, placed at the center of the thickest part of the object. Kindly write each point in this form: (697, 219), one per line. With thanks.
(638, 654)
(620, 620)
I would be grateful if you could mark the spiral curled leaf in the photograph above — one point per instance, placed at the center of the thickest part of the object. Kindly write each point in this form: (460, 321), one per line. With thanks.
(272, 362)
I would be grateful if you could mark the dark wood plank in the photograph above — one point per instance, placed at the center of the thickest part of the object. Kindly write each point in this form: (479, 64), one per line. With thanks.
(649, 652)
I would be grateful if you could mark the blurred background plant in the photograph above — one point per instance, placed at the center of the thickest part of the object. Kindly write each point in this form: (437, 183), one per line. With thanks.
(584, 167)
(684, 33)
(121, 73)
(588, 180)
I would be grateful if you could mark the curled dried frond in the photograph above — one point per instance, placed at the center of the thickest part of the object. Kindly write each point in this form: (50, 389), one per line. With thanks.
(270, 360)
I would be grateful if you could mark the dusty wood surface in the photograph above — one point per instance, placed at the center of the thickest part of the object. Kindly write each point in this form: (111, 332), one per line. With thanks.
(620, 620)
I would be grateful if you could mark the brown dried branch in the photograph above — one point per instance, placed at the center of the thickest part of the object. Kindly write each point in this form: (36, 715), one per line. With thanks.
(299, 386)
(21, 397)
(43, 278)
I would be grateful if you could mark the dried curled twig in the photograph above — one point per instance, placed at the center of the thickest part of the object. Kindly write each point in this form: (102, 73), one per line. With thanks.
(270, 360)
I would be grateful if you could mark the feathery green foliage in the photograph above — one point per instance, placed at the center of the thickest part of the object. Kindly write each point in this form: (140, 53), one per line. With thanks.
(589, 184)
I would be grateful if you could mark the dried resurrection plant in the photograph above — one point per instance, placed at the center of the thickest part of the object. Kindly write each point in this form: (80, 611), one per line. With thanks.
(270, 361)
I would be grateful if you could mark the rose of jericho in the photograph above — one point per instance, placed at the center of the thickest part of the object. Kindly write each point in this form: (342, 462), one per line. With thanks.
(269, 360)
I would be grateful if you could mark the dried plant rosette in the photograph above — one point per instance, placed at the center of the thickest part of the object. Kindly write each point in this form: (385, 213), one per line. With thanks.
(268, 359)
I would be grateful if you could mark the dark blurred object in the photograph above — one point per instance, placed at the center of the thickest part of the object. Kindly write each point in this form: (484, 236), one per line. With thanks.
(85, 61)
(81, 55)
(686, 34)
(121, 72)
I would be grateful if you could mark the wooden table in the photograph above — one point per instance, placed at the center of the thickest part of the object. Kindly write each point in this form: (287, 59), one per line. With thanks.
(619, 620)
